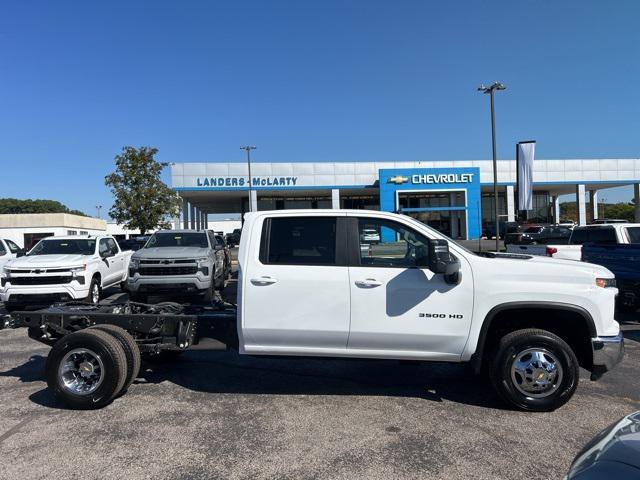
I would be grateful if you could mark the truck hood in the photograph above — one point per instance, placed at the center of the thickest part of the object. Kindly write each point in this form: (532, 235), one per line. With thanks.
(49, 261)
(170, 252)
(523, 264)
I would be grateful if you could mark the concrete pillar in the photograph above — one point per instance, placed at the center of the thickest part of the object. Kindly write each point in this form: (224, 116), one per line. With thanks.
(192, 217)
(185, 213)
(511, 204)
(580, 204)
(254, 201)
(636, 202)
(453, 216)
(205, 215)
(335, 198)
(593, 199)
(556, 208)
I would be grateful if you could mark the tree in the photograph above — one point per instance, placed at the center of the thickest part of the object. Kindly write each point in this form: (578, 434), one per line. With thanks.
(17, 206)
(142, 200)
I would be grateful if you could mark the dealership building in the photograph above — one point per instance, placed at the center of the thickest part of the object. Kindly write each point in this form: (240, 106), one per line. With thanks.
(456, 197)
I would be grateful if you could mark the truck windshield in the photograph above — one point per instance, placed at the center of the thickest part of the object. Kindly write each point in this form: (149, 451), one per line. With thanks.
(64, 246)
(182, 239)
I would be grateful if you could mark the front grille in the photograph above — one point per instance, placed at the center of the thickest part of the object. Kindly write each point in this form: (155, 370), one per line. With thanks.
(168, 270)
(166, 262)
(57, 280)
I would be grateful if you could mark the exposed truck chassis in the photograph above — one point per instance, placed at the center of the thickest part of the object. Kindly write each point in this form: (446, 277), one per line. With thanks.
(155, 328)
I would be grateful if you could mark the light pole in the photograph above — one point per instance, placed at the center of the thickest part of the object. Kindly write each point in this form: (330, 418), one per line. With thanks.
(248, 149)
(98, 208)
(491, 91)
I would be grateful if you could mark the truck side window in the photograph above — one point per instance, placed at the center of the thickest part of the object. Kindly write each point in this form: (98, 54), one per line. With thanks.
(3, 251)
(632, 232)
(111, 244)
(389, 244)
(13, 248)
(299, 241)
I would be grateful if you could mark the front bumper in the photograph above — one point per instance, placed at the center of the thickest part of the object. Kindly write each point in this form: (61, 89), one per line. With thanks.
(20, 294)
(607, 353)
(178, 283)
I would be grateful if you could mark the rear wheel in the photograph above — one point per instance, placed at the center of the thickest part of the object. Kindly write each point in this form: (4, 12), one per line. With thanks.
(86, 369)
(534, 370)
(131, 352)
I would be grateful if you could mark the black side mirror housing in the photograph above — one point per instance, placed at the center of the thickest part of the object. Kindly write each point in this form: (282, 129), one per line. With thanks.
(21, 253)
(442, 262)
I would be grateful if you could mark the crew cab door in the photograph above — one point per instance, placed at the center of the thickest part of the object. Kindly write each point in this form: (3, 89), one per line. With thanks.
(295, 285)
(399, 305)
(112, 261)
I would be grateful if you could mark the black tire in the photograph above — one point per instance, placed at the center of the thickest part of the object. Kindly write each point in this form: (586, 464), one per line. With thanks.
(131, 352)
(113, 359)
(95, 283)
(207, 295)
(550, 347)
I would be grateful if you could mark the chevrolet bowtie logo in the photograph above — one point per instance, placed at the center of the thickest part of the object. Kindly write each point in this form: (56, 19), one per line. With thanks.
(398, 179)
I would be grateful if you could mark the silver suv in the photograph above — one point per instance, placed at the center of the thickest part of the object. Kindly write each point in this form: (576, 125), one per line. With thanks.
(177, 261)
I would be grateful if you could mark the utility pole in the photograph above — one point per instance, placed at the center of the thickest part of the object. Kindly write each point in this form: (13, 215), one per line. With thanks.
(491, 91)
(98, 208)
(248, 149)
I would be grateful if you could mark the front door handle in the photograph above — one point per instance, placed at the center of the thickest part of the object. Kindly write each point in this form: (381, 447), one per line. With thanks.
(265, 280)
(368, 283)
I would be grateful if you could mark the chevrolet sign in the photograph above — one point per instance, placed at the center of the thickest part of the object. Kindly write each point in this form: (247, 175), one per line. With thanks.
(442, 178)
(398, 179)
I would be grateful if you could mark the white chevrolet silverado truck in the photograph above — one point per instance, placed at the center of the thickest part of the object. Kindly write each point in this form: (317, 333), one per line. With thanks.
(64, 269)
(308, 287)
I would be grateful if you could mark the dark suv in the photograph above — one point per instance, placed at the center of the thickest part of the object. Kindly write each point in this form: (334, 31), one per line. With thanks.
(544, 234)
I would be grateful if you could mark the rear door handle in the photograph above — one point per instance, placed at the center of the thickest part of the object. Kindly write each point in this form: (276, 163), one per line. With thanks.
(263, 281)
(368, 283)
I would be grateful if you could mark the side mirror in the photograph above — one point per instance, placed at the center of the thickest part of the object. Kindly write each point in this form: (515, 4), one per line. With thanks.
(21, 253)
(218, 246)
(442, 262)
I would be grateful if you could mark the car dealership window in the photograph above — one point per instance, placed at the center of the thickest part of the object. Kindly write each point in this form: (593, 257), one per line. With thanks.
(299, 241)
(389, 244)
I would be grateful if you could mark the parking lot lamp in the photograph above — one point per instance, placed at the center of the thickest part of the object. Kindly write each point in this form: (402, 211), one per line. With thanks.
(248, 149)
(98, 208)
(491, 91)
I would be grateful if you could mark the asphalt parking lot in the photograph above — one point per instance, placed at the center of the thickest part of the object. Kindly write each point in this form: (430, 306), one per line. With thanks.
(218, 415)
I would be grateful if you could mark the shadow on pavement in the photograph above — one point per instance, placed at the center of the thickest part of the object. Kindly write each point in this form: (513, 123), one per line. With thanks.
(30, 371)
(228, 372)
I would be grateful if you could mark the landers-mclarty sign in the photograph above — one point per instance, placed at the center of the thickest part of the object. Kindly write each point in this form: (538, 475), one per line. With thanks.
(244, 181)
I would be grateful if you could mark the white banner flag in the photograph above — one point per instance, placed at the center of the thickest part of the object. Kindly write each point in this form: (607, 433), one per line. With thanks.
(526, 154)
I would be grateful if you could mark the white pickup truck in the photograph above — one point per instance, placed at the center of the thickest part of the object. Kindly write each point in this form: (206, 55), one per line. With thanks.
(63, 269)
(605, 234)
(306, 287)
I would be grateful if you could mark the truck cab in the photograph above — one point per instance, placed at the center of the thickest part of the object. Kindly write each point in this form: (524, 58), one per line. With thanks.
(308, 285)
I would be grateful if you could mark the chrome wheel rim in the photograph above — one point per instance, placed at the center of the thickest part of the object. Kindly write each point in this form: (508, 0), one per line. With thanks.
(536, 372)
(81, 371)
(95, 293)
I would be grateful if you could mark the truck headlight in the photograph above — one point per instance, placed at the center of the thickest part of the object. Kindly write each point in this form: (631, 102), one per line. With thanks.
(606, 282)
(134, 264)
(76, 270)
(6, 272)
(203, 265)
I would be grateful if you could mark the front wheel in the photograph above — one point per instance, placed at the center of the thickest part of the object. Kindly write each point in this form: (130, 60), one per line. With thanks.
(94, 292)
(534, 370)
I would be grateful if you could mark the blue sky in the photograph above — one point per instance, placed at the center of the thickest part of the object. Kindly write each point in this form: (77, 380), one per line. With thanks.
(306, 81)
